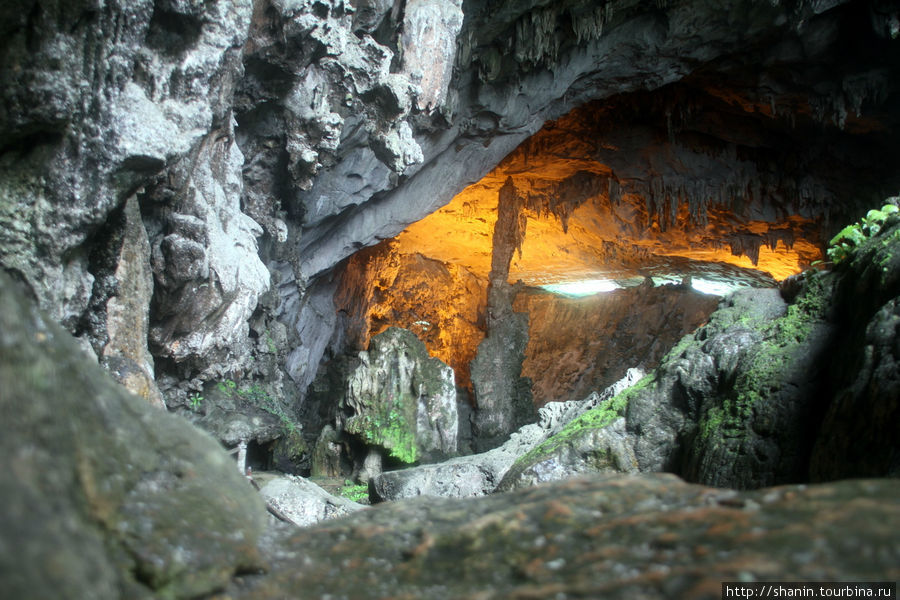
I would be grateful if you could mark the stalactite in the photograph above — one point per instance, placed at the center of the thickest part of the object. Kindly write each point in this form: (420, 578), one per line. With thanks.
(873, 87)
(785, 236)
(614, 190)
(536, 40)
(589, 25)
(746, 244)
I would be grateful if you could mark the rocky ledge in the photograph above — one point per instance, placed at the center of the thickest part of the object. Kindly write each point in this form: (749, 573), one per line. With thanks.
(646, 536)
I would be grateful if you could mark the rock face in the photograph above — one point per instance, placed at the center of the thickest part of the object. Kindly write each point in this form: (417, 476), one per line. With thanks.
(761, 394)
(702, 393)
(858, 436)
(442, 304)
(649, 536)
(207, 271)
(481, 474)
(576, 345)
(266, 141)
(396, 398)
(117, 497)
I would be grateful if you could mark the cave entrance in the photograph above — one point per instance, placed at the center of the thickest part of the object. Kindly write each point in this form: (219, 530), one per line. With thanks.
(623, 221)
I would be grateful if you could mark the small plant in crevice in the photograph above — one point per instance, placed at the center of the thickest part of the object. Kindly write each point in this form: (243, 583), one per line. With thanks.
(195, 401)
(270, 342)
(850, 237)
(354, 492)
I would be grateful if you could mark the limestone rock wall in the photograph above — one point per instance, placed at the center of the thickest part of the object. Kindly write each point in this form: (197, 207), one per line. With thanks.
(265, 141)
(578, 345)
(774, 389)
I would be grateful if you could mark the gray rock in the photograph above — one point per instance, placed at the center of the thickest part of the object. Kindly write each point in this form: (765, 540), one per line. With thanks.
(605, 450)
(401, 399)
(430, 29)
(646, 536)
(207, 268)
(119, 497)
(369, 14)
(128, 312)
(859, 432)
(326, 459)
(303, 502)
(481, 474)
(122, 92)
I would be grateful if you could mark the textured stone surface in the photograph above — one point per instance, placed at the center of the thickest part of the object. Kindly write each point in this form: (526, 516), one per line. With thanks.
(481, 474)
(767, 392)
(731, 405)
(284, 136)
(294, 133)
(207, 270)
(503, 400)
(649, 536)
(522, 63)
(444, 305)
(859, 432)
(128, 312)
(401, 400)
(576, 345)
(303, 502)
(106, 496)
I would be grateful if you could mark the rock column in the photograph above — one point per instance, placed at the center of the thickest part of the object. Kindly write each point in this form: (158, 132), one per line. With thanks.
(502, 396)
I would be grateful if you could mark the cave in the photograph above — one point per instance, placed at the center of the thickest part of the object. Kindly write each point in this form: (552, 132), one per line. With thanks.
(618, 227)
(597, 298)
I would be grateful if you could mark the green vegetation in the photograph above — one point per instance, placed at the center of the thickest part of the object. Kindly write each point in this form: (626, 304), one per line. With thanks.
(765, 373)
(354, 492)
(386, 425)
(270, 343)
(850, 237)
(596, 418)
(195, 400)
(257, 395)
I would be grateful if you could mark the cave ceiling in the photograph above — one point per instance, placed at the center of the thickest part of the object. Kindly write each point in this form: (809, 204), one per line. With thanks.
(714, 177)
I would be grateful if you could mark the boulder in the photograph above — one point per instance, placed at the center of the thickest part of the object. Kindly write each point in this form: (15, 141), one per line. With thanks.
(644, 536)
(303, 502)
(402, 400)
(105, 496)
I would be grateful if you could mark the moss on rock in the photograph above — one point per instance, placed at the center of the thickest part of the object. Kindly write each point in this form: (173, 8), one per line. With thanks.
(401, 399)
(106, 496)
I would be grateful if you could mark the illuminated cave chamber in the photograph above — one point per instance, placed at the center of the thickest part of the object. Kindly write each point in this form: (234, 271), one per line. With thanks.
(661, 196)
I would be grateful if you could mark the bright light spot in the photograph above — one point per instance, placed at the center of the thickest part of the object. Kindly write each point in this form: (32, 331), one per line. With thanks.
(582, 288)
(716, 288)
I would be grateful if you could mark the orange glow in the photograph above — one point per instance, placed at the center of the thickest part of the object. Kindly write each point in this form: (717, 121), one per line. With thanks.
(442, 304)
(575, 231)
(602, 241)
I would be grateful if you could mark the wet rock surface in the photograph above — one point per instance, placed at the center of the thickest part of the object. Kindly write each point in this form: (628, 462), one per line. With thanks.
(652, 536)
